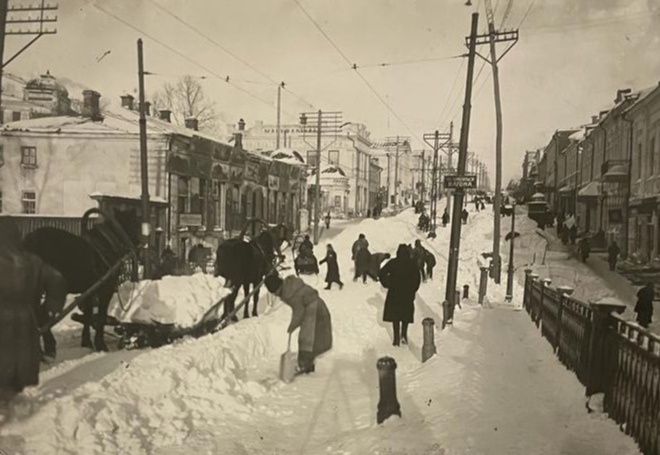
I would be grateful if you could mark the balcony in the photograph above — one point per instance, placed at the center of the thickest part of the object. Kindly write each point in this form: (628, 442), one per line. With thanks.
(614, 171)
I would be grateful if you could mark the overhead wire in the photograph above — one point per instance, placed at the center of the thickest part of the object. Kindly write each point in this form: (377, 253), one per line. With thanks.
(354, 67)
(225, 78)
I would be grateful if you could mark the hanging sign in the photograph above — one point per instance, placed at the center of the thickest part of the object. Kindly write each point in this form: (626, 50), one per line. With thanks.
(461, 181)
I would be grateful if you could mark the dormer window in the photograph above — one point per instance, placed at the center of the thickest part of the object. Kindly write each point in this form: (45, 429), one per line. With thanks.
(29, 157)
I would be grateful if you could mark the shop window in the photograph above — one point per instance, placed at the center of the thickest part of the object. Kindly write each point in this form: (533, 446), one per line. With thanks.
(183, 194)
(29, 200)
(29, 157)
(333, 157)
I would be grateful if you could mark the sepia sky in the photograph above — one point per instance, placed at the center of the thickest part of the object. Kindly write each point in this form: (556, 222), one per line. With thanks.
(571, 58)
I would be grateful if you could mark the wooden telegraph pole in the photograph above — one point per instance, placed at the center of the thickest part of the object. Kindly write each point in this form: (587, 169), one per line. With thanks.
(455, 241)
(146, 228)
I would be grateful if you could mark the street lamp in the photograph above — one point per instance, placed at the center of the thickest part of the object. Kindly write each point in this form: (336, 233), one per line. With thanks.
(510, 271)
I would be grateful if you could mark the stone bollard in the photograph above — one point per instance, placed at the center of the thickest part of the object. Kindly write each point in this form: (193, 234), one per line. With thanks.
(483, 284)
(457, 301)
(388, 404)
(466, 291)
(428, 349)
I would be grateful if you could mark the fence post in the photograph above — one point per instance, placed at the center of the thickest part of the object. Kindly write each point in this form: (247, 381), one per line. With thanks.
(483, 284)
(428, 349)
(526, 292)
(545, 282)
(565, 291)
(601, 323)
(388, 405)
(534, 277)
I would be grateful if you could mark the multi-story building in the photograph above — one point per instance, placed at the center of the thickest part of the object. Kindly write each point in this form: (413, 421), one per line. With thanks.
(43, 96)
(349, 151)
(643, 117)
(395, 156)
(201, 188)
(553, 172)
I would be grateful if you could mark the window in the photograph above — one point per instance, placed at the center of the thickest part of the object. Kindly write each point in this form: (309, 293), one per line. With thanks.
(338, 201)
(182, 195)
(202, 199)
(639, 160)
(333, 156)
(0, 201)
(29, 200)
(29, 156)
(15, 116)
(311, 158)
(652, 157)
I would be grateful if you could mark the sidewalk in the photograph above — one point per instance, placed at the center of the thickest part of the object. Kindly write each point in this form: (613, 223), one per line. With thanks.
(596, 275)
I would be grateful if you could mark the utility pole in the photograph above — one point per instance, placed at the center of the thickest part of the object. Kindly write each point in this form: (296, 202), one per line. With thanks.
(492, 38)
(439, 141)
(455, 241)
(146, 218)
(17, 18)
(396, 173)
(279, 114)
(423, 171)
(326, 123)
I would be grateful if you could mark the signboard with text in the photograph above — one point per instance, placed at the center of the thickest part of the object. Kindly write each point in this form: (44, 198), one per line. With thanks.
(190, 219)
(461, 181)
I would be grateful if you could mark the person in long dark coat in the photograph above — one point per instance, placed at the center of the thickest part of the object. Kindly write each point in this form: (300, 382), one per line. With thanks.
(585, 248)
(644, 307)
(361, 257)
(24, 278)
(402, 280)
(418, 256)
(333, 268)
(445, 218)
(429, 260)
(613, 255)
(464, 216)
(309, 312)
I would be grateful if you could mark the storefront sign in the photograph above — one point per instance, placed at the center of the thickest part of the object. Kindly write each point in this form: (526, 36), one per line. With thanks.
(190, 219)
(273, 183)
(252, 171)
(460, 181)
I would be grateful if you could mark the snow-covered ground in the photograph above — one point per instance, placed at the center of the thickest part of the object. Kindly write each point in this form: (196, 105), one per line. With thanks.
(494, 387)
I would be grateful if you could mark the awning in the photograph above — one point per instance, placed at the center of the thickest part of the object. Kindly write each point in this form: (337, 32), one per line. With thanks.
(566, 189)
(617, 173)
(590, 190)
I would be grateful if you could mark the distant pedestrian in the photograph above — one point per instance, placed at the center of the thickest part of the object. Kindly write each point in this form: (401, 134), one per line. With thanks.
(613, 255)
(361, 257)
(309, 312)
(584, 248)
(418, 256)
(445, 218)
(464, 216)
(429, 260)
(401, 279)
(333, 268)
(483, 206)
(644, 307)
(476, 204)
(327, 221)
(24, 278)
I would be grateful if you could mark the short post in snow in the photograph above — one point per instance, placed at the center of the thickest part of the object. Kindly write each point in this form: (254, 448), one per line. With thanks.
(388, 404)
(457, 301)
(428, 349)
(483, 284)
(466, 291)
(599, 354)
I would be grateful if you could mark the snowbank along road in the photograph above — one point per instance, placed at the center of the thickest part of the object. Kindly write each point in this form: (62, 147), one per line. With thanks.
(493, 388)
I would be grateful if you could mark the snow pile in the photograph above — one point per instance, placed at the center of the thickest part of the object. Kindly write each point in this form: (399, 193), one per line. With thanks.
(178, 300)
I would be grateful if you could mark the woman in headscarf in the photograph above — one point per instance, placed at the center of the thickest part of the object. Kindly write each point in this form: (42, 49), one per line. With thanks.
(24, 278)
(402, 279)
(333, 268)
(309, 312)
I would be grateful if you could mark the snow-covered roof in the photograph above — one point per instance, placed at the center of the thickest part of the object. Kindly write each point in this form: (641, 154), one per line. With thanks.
(131, 196)
(116, 121)
(286, 155)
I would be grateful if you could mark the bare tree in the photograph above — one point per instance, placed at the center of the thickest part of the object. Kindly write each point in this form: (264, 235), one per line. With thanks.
(186, 98)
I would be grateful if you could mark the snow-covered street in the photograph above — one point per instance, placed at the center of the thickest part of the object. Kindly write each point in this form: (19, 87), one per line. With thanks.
(494, 387)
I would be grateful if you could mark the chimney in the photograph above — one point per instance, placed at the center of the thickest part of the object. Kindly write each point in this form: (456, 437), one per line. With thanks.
(621, 94)
(602, 114)
(165, 115)
(238, 137)
(127, 101)
(594, 119)
(91, 106)
(147, 108)
(192, 123)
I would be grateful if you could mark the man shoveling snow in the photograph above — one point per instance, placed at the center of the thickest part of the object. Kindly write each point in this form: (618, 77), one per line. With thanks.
(309, 312)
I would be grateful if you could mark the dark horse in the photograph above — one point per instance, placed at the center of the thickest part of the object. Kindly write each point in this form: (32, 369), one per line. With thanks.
(84, 259)
(243, 263)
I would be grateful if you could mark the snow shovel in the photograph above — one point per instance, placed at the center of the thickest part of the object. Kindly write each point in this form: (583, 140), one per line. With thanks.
(288, 363)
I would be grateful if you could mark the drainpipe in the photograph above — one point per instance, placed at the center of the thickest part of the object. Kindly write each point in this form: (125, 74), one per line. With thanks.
(626, 200)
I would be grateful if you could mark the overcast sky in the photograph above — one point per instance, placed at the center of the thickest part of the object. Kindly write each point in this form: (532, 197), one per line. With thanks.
(571, 58)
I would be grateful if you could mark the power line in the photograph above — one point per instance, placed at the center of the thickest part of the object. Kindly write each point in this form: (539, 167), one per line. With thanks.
(449, 93)
(183, 56)
(354, 67)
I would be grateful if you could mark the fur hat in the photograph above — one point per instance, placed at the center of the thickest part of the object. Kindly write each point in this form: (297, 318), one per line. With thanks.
(273, 283)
